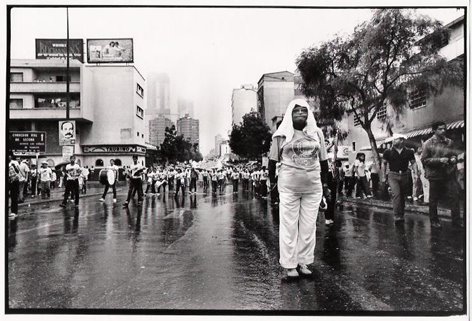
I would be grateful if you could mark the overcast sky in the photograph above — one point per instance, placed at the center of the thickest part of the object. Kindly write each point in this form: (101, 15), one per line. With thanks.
(206, 52)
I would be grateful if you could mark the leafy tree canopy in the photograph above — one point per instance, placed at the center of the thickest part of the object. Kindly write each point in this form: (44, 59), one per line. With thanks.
(252, 138)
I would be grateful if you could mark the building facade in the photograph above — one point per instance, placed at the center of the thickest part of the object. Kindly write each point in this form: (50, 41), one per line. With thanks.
(189, 128)
(106, 102)
(422, 109)
(218, 141)
(243, 101)
(275, 91)
(157, 129)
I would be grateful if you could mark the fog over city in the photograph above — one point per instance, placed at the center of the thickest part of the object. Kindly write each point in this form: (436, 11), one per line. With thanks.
(206, 52)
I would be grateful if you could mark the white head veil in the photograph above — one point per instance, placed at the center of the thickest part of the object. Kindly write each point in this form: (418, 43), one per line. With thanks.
(286, 127)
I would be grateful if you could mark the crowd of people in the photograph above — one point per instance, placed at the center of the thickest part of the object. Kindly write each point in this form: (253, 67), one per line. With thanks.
(27, 180)
(299, 178)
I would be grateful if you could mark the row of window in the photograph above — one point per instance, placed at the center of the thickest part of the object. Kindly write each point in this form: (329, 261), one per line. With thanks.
(18, 77)
(416, 99)
(47, 102)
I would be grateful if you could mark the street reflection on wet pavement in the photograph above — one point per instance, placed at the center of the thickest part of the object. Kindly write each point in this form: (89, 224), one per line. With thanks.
(221, 253)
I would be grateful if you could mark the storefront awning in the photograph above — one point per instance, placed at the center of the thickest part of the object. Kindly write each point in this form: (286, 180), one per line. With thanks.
(427, 131)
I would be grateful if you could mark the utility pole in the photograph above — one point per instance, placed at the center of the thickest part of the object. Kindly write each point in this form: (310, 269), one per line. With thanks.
(67, 69)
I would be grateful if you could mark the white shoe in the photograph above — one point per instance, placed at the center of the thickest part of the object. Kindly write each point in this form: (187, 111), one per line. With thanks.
(114, 200)
(102, 199)
(12, 215)
(329, 222)
(304, 269)
(292, 273)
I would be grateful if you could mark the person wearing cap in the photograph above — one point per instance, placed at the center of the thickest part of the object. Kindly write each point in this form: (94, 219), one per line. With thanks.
(396, 161)
(299, 145)
(440, 163)
(45, 177)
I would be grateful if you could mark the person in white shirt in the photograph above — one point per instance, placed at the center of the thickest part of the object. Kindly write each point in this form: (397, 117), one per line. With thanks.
(135, 175)
(13, 184)
(73, 172)
(264, 175)
(180, 182)
(299, 145)
(45, 178)
(255, 176)
(235, 176)
(214, 181)
(113, 168)
(84, 174)
(221, 180)
(24, 176)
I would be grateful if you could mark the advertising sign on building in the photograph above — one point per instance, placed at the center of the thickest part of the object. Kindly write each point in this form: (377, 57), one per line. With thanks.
(66, 132)
(67, 152)
(113, 149)
(109, 50)
(57, 49)
(27, 143)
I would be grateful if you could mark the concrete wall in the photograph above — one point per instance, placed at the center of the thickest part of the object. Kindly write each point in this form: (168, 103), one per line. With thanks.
(109, 92)
(277, 96)
(243, 101)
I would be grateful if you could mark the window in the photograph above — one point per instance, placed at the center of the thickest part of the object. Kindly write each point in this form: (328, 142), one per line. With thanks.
(382, 113)
(56, 101)
(138, 134)
(353, 146)
(417, 99)
(139, 112)
(16, 77)
(62, 78)
(139, 90)
(142, 135)
(357, 121)
(16, 103)
(118, 162)
(99, 162)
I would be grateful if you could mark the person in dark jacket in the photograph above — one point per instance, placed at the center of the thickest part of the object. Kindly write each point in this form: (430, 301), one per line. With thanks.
(439, 161)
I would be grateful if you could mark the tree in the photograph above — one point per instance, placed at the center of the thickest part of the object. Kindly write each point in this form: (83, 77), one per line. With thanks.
(252, 138)
(177, 148)
(380, 62)
(168, 146)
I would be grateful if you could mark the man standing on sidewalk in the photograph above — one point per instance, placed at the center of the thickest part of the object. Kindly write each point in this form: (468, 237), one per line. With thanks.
(45, 177)
(439, 160)
(13, 184)
(395, 165)
(24, 177)
(72, 182)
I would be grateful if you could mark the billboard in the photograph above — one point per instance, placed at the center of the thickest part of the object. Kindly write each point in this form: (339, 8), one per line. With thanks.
(27, 143)
(57, 49)
(66, 132)
(110, 50)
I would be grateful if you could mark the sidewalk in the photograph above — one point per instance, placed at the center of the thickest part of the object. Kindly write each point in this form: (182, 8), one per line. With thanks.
(409, 207)
(57, 194)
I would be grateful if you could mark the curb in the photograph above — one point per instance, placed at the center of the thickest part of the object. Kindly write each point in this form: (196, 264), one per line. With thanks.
(418, 209)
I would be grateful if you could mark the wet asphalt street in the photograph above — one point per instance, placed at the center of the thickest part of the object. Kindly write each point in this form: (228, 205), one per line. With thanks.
(219, 253)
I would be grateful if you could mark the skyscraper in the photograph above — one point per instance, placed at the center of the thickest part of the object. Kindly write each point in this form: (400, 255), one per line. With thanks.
(244, 100)
(185, 107)
(157, 129)
(159, 93)
(189, 128)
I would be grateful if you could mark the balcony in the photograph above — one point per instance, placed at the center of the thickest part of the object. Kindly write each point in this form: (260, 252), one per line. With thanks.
(43, 87)
(48, 113)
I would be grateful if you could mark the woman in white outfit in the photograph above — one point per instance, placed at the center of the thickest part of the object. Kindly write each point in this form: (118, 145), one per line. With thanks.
(299, 146)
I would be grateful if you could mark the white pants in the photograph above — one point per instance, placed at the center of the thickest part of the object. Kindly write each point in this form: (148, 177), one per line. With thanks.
(297, 234)
(425, 188)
